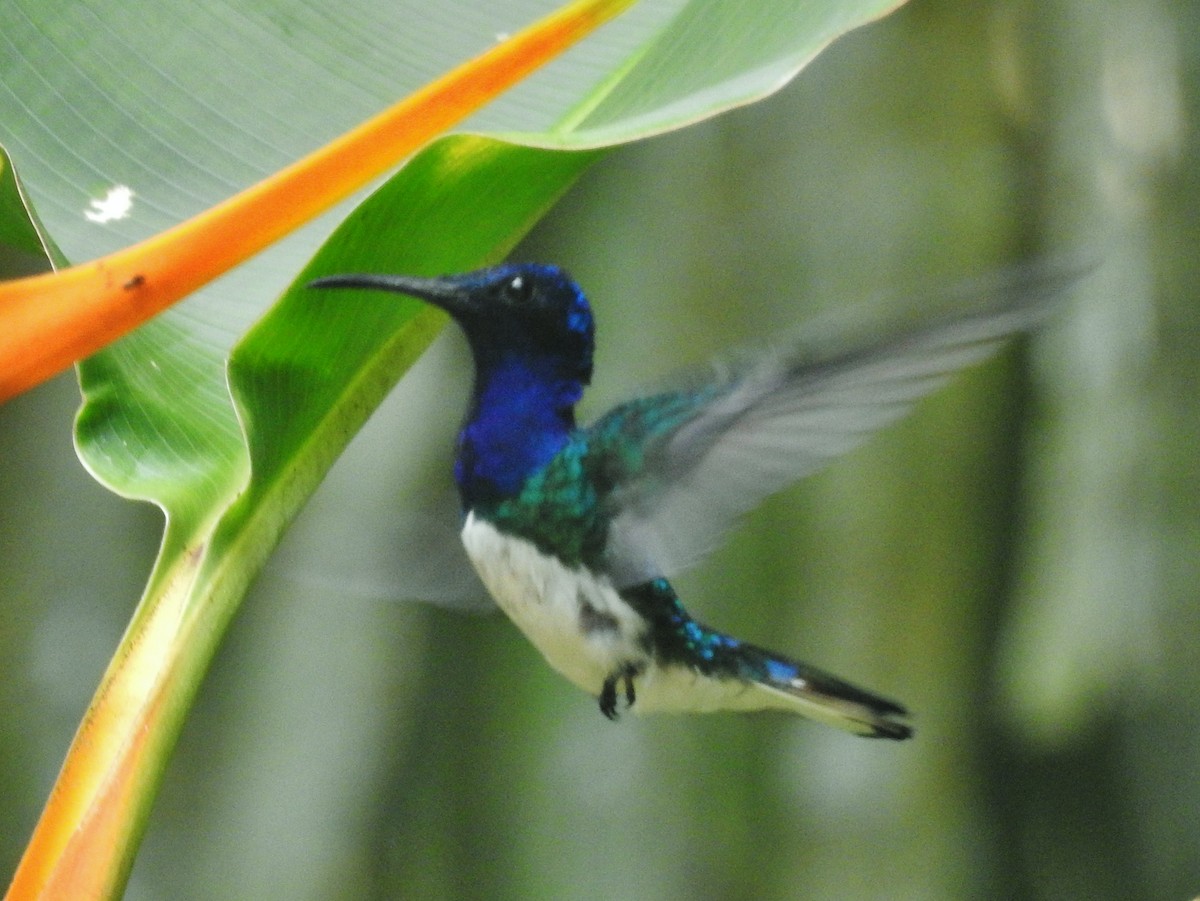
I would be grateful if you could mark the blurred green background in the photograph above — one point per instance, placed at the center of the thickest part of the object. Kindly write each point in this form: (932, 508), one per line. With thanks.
(1017, 562)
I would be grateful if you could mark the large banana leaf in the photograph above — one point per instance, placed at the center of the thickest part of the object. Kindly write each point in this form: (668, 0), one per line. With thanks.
(227, 433)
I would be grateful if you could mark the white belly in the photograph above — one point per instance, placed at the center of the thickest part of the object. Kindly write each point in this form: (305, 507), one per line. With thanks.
(578, 621)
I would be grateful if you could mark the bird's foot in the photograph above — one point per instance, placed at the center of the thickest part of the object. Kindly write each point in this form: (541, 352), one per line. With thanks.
(608, 693)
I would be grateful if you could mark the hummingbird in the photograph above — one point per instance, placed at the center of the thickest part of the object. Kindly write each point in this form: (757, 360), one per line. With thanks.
(574, 530)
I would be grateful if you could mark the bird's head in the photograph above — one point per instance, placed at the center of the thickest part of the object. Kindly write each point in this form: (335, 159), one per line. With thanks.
(521, 310)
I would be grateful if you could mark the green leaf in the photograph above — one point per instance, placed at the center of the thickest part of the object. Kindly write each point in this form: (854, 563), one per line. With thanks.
(710, 57)
(23, 250)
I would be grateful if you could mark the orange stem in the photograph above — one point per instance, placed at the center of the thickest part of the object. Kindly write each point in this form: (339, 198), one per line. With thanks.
(49, 321)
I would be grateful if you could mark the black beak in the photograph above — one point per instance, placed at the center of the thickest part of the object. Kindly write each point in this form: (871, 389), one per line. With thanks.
(441, 292)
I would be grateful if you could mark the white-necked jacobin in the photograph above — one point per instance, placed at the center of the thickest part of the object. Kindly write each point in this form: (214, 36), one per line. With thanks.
(575, 530)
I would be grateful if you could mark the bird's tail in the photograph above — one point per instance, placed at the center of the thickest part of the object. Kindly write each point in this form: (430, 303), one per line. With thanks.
(823, 697)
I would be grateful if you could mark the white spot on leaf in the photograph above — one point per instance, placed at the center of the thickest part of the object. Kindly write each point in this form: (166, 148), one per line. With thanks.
(114, 205)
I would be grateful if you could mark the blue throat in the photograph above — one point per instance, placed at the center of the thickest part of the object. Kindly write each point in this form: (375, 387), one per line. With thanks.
(522, 414)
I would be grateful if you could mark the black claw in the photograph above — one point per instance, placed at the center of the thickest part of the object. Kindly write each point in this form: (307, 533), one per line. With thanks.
(608, 692)
(608, 698)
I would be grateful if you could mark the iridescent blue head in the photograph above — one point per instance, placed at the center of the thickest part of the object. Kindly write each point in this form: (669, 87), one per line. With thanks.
(531, 333)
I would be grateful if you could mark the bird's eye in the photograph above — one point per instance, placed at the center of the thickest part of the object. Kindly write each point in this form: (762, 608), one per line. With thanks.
(518, 289)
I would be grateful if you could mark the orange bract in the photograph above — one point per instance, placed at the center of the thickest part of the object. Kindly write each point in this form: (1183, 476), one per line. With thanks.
(49, 321)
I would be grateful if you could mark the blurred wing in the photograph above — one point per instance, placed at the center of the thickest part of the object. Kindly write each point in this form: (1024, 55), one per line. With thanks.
(416, 555)
(727, 446)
